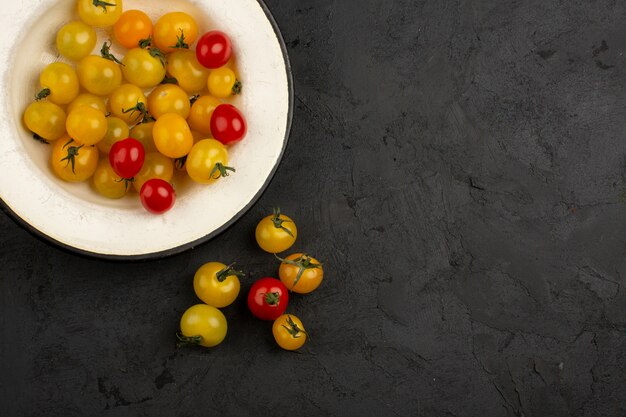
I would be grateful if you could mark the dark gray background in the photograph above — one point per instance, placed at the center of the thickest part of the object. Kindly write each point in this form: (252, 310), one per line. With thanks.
(459, 167)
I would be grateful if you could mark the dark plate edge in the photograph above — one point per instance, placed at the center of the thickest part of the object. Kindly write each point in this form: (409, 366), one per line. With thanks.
(182, 248)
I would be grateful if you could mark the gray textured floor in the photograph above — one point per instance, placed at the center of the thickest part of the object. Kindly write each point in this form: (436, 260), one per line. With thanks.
(459, 166)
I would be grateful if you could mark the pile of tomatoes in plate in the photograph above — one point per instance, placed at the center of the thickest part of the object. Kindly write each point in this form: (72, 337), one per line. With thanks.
(132, 122)
(218, 286)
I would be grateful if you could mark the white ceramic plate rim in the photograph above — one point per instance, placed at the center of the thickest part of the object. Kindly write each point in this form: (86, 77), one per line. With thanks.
(151, 247)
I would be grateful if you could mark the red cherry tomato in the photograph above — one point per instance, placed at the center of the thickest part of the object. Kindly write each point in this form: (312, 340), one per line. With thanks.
(126, 157)
(228, 124)
(214, 49)
(268, 298)
(157, 196)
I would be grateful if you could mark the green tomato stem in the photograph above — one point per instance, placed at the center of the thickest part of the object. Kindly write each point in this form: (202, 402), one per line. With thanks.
(42, 94)
(278, 221)
(228, 271)
(303, 262)
(185, 341)
(221, 170)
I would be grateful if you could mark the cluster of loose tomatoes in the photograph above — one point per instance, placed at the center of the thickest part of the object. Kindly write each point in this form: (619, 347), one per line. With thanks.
(158, 110)
(218, 286)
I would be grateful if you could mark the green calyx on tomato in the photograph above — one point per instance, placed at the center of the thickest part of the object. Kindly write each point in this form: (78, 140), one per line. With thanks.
(221, 170)
(145, 43)
(272, 298)
(180, 41)
(103, 4)
(278, 222)
(184, 341)
(169, 80)
(228, 271)
(105, 52)
(293, 329)
(127, 182)
(153, 50)
(180, 162)
(143, 116)
(40, 139)
(303, 262)
(42, 94)
(72, 153)
(237, 87)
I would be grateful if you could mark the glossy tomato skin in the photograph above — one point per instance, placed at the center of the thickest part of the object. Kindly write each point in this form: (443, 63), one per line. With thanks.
(169, 27)
(143, 133)
(106, 182)
(168, 98)
(268, 298)
(172, 136)
(155, 165)
(87, 99)
(132, 27)
(76, 40)
(310, 278)
(97, 15)
(212, 291)
(98, 75)
(86, 125)
(125, 101)
(276, 233)
(73, 162)
(46, 119)
(157, 196)
(142, 69)
(61, 80)
(126, 157)
(201, 113)
(184, 66)
(117, 130)
(222, 83)
(205, 321)
(214, 49)
(289, 332)
(228, 124)
(202, 160)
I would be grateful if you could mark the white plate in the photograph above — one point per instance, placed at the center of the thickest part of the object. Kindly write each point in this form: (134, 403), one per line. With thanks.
(73, 215)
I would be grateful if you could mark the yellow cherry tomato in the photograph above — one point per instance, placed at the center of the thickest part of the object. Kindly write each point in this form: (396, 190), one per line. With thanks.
(117, 130)
(208, 161)
(98, 75)
(128, 103)
(72, 161)
(191, 76)
(99, 13)
(172, 135)
(175, 30)
(45, 119)
(132, 27)
(168, 98)
(143, 69)
(86, 99)
(223, 83)
(76, 40)
(203, 325)
(217, 284)
(86, 125)
(106, 182)
(276, 233)
(289, 332)
(143, 133)
(61, 81)
(200, 114)
(301, 273)
(155, 165)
